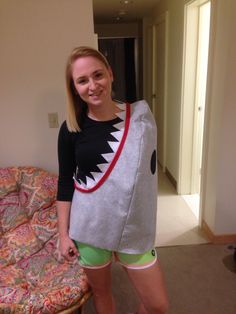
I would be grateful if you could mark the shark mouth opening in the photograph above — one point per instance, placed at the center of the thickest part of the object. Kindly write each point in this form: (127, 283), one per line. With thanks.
(96, 178)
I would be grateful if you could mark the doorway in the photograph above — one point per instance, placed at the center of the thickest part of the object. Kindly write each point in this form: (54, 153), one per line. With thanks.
(195, 63)
(121, 54)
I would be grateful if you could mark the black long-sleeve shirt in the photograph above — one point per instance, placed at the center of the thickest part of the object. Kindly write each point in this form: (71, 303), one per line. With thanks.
(80, 153)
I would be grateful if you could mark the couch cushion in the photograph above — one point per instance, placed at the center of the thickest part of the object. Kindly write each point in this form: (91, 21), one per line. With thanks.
(12, 214)
(34, 277)
(24, 191)
(13, 275)
(13, 308)
(44, 223)
(20, 243)
(8, 180)
(37, 189)
(13, 295)
(6, 256)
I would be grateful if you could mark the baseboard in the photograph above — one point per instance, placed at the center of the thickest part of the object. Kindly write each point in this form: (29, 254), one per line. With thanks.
(171, 178)
(218, 239)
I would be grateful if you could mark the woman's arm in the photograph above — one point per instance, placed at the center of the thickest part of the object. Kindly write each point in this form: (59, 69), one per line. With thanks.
(65, 190)
(66, 245)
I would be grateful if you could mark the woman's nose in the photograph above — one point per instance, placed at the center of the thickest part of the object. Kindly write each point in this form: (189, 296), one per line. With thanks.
(92, 84)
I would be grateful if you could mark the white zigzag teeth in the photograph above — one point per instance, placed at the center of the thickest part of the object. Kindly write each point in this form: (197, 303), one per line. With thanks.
(81, 183)
(108, 157)
(97, 175)
(103, 167)
(121, 114)
(90, 182)
(114, 145)
(119, 125)
(121, 106)
(118, 135)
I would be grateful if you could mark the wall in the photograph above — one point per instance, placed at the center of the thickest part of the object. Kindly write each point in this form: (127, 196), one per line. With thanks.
(35, 39)
(219, 188)
(175, 49)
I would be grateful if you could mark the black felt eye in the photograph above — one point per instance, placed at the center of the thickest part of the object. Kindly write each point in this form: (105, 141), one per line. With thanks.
(153, 162)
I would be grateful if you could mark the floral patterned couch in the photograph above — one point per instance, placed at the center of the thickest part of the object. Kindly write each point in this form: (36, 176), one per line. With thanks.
(34, 278)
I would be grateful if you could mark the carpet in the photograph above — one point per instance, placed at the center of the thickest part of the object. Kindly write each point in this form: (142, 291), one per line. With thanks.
(199, 278)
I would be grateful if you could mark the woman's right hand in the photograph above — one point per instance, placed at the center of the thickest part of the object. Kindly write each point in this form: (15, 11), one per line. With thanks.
(67, 248)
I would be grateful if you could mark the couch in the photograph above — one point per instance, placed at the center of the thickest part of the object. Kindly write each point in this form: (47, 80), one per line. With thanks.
(34, 277)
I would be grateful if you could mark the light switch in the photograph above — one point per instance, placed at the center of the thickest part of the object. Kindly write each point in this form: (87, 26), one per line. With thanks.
(53, 120)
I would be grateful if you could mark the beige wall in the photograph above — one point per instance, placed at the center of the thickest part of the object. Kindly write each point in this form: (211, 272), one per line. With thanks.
(175, 9)
(175, 50)
(35, 39)
(219, 166)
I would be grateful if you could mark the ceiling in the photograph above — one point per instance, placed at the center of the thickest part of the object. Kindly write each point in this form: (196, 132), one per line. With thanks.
(117, 11)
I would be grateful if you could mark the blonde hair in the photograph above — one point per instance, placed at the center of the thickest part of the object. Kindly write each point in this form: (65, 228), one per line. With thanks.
(75, 105)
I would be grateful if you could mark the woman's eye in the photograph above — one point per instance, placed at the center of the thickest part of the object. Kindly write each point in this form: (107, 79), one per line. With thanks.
(98, 75)
(83, 81)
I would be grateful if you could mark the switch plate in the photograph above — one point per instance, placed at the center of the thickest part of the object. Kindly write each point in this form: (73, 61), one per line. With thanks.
(53, 120)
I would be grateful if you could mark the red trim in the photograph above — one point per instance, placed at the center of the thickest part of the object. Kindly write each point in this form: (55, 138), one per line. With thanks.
(116, 157)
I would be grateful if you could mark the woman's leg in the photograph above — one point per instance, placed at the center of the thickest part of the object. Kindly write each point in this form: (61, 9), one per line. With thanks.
(150, 286)
(96, 263)
(100, 282)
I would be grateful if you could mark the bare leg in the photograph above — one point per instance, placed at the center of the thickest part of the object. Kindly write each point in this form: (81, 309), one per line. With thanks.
(100, 281)
(141, 309)
(149, 284)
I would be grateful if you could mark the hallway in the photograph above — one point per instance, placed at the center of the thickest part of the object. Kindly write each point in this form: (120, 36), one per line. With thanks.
(176, 222)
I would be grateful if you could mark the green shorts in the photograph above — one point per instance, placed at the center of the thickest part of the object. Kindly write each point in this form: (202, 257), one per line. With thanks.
(93, 257)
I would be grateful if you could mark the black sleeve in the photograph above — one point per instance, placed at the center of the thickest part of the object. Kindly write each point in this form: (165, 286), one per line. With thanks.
(67, 164)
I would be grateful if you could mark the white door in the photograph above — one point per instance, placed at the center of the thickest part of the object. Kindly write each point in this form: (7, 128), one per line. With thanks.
(195, 63)
(201, 77)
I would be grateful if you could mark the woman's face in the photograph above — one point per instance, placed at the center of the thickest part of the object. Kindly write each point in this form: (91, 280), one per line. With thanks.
(92, 80)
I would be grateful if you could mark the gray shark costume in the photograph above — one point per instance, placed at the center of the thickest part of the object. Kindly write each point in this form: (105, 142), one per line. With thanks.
(117, 210)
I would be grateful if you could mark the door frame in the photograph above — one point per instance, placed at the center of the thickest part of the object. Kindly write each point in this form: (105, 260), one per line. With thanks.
(188, 94)
(163, 18)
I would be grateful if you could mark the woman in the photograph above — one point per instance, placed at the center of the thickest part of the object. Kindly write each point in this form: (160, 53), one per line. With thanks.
(106, 198)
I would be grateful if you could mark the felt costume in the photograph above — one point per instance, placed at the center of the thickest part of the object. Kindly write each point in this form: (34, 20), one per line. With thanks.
(114, 206)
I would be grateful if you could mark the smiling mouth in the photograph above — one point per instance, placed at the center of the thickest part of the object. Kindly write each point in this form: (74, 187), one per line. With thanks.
(95, 94)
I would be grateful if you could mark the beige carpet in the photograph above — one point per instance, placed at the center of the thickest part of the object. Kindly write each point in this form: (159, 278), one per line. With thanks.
(176, 222)
(201, 279)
